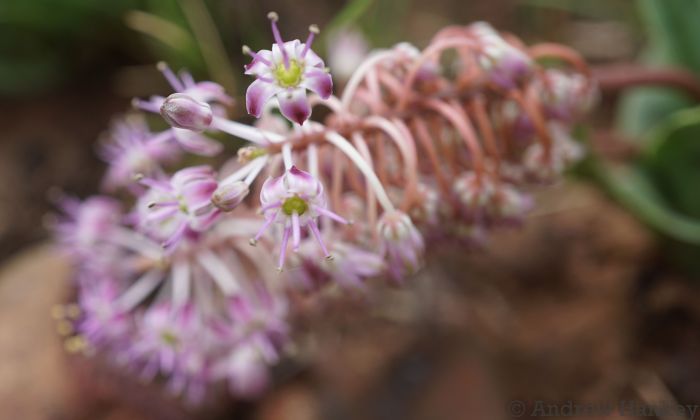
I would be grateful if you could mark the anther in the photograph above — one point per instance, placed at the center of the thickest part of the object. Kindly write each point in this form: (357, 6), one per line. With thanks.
(64, 328)
(73, 311)
(273, 16)
(58, 312)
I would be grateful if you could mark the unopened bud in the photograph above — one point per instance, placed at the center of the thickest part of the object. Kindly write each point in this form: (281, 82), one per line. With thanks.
(183, 111)
(229, 195)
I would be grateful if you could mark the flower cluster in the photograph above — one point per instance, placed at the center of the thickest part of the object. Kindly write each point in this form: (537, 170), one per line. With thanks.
(417, 149)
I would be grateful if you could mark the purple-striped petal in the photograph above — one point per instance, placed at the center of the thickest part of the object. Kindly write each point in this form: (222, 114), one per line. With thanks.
(295, 106)
(318, 81)
(257, 95)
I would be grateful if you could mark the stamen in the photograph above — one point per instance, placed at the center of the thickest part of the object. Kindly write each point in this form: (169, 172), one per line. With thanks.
(144, 105)
(314, 229)
(256, 56)
(331, 215)
(283, 250)
(175, 238)
(170, 76)
(274, 17)
(296, 230)
(262, 230)
(161, 204)
(313, 31)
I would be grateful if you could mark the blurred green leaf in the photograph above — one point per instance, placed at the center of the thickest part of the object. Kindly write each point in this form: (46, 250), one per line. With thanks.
(673, 161)
(349, 14)
(633, 188)
(674, 31)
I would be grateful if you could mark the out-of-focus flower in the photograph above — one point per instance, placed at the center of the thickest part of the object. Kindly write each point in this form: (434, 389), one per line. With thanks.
(401, 243)
(287, 71)
(102, 321)
(130, 149)
(84, 224)
(565, 96)
(346, 50)
(505, 65)
(183, 203)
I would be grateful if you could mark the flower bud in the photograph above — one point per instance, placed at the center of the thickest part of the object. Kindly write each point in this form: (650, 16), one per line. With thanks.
(401, 243)
(228, 196)
(183, 111)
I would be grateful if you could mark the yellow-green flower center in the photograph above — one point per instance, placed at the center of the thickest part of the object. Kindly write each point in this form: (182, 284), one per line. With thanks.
(293, 205)
(289, 76)
(169, 338)
(182, 205)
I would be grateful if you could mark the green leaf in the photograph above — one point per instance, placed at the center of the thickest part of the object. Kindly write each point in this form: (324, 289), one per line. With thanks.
(673, 160)
(349, 14)
(673, 32)
(634, 190)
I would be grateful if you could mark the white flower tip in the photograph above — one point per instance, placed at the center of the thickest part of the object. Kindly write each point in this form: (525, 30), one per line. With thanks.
(252, 242)
(329, 258)
(246, 49)
(314, 29)
(350, 222)
(162, 66)
(138, 177)
(135, 103)
(273, 16)
(279, 270)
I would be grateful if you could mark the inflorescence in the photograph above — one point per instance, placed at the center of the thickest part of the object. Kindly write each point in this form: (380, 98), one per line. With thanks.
(421, 147)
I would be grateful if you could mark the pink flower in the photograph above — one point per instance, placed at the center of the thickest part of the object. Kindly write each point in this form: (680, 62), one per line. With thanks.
(286, 72)
(346, 50)
(172, 208)
(85, 224)
(505, 64)
(192, 108)
(401, 243)
(566, 97)
(102, 320)
(132, 149)
(163, 334)
(294, 200)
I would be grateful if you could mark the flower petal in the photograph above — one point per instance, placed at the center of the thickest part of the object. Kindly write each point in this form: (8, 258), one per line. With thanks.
(257, 95)
(295, 106)
(291, 47)
(258, 66)
(318, 81)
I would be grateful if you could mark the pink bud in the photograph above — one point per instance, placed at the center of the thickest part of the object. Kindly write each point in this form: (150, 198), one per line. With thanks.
(228, 196)
(183, 111)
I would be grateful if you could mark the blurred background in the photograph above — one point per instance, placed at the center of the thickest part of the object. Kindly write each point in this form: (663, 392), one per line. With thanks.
(594, 300)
